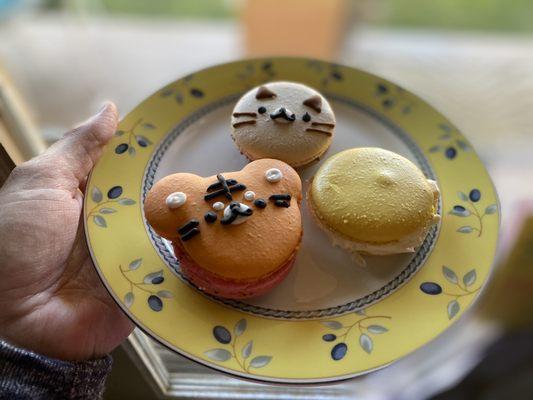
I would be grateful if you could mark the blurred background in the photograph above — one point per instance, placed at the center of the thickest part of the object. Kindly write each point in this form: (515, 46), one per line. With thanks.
(471, 59)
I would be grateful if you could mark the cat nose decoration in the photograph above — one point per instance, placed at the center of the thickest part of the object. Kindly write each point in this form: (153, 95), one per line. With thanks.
(283, 115)
(236, 213)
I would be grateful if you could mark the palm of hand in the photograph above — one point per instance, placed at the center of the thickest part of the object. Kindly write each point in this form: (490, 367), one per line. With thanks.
(51, 300)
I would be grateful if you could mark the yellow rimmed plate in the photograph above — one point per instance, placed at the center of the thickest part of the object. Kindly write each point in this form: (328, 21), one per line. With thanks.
(330, 319)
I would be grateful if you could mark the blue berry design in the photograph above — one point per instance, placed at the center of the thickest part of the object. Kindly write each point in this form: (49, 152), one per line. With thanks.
(450, 142)
(241, 354)
(458, 290)
(143, 287)
(134, 137)
(104, 208)
(366, 328)
(470, 209)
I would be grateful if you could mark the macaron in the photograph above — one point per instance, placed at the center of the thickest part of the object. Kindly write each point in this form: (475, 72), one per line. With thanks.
(287, 121)
(235, 234)
(374, 201)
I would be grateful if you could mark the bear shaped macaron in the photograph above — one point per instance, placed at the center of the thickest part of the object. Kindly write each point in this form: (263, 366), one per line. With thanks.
(236, 234)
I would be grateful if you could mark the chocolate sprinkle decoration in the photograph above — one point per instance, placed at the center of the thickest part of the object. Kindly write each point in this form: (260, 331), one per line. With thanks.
(318, 131)
(192, 233)
(307, 117)
(280, 197)
(210, 217)
(260, 203)
(237, 124)
(235, 188)
(193, 223)
(323, 124)
(264, 93)
(244, 114)
(218, 185)
(314, 103)
(282, 203)
(224, 185)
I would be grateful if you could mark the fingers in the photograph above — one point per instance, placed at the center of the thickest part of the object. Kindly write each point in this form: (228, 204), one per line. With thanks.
(66, 164)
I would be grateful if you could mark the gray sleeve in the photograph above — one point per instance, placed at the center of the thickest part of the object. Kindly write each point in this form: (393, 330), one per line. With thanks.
(27, 375)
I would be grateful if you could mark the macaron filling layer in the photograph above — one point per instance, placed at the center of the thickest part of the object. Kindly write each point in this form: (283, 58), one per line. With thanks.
(218, 286)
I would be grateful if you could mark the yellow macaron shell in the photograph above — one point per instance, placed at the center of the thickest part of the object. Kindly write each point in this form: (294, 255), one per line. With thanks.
(372, 195)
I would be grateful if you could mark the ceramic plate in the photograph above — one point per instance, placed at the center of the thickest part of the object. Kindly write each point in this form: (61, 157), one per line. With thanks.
(330, 319)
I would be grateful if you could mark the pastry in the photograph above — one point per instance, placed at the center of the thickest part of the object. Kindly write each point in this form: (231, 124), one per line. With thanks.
(235, 234)
(374, 201)
(283, 120)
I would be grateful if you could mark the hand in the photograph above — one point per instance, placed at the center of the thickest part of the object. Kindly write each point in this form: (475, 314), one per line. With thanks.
(51, 299)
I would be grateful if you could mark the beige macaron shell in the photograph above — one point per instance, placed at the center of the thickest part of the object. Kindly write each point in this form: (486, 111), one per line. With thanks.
(288, 142)
(372, 195)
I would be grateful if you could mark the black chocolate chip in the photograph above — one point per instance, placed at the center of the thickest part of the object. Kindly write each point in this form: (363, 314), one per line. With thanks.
(210, 217)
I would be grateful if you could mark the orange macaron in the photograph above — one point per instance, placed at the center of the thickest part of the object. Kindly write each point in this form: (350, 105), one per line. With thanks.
(236, 234)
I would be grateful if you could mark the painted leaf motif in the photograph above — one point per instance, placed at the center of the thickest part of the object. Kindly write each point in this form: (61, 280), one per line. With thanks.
(131, 151)
(360, 312)
(445, 127)
(135, 264)
(435, 149)
(445, 136)
(96, 195)
(119, 133)
(240, 327)
(453, 308)
(491, 209)
(462, 196)
(449, 274)
(149, 277)
(366, 343)
(126, 202)
(165, 294)
(128, 299)
(148, 125)
(460, 211)
(100, 221)
(377, 329)
(260, 361)
(462, 145)
(332, 324)
(218, 354)
(470, 277)
(465, 229)
(107, 210)
(247, 350)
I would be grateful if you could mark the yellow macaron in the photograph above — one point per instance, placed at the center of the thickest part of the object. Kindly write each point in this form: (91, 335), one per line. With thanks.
(374, 201)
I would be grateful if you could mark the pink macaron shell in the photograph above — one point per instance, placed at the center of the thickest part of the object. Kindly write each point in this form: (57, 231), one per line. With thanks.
(230, 289)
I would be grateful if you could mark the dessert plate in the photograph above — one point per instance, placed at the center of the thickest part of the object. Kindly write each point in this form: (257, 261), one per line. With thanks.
(330, 319)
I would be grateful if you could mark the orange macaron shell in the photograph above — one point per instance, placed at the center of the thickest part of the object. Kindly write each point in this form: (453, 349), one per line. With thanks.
(249, 251)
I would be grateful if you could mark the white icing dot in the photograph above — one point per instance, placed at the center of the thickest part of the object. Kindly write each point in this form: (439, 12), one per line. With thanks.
(218, 206)
(249, 195)
(273, 175)
(176, 199)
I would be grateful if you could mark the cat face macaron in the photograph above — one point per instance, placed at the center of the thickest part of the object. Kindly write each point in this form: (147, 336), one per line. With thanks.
(235, 229)
(287, 121)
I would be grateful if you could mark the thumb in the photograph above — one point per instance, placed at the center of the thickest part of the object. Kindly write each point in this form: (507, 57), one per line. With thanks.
(66, 163)
(81, 148)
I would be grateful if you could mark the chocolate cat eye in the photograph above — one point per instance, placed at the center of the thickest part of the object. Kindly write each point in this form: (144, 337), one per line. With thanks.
(261, 110)
(306, 117)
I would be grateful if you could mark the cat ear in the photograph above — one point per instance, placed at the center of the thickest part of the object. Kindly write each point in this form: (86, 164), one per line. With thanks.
(314, 103)
(264, 93)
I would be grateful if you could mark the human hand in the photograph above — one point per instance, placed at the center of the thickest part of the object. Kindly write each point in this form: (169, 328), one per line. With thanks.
(51, 299)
